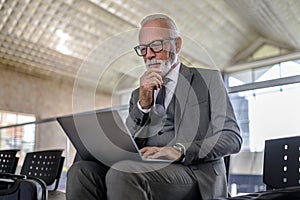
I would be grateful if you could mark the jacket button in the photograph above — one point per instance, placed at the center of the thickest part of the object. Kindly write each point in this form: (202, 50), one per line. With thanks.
(137, 121)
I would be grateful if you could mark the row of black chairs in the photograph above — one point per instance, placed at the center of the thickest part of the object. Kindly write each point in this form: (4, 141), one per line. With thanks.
(281, 163)
(46, 165)
(281, 171)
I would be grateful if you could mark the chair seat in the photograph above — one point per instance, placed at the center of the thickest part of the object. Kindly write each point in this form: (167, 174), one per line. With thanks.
(56, 195)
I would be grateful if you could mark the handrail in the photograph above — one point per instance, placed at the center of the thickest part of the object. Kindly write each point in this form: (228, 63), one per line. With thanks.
(122, 107)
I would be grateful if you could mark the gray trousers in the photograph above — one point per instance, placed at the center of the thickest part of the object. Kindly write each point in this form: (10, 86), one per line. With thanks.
(130, 180)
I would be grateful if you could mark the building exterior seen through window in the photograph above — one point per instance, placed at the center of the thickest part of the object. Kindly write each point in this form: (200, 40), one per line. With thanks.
(19, 137)
(264, 113)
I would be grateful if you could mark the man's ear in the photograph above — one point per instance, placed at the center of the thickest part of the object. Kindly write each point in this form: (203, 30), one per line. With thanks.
(178, 42)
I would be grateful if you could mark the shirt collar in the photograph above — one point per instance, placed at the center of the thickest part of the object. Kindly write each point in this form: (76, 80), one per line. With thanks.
(173, 75)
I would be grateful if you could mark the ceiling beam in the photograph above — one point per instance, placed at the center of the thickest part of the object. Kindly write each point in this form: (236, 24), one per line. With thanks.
(263, 62)
(242, 55)
(246, 53)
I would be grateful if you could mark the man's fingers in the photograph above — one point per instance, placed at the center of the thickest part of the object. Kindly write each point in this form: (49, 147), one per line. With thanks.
(149, 74)
(146, 151)
(151, 83)
(157, 154)
(166, 153)
(153, 77)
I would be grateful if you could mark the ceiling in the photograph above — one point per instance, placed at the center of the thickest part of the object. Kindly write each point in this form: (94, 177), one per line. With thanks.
(92, 40)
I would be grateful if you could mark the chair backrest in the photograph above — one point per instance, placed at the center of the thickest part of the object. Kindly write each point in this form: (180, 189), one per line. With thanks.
(8, 160)
(46, 165)
(282, 163)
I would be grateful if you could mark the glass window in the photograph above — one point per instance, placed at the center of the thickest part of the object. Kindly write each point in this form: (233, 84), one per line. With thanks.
(280, 70)
(290, 68)
(240, 78)
(19, 137)
(262, 114)
(267, 113)
(266, 73)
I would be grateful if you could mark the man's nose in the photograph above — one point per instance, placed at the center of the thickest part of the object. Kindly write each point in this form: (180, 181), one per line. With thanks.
(150, 54)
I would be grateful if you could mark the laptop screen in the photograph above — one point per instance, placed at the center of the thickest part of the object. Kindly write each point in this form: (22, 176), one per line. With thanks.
(100, 136)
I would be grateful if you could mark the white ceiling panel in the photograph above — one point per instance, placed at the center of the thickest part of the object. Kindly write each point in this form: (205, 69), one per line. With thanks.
(58, 38)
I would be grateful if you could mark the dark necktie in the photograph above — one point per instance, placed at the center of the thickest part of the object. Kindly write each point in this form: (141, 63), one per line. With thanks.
(160, 99)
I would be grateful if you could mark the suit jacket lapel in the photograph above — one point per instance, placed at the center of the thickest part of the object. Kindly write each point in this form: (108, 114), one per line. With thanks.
(181, 93)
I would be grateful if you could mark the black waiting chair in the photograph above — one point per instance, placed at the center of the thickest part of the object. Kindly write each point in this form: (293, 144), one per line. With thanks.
(46, 165)
(281, 171)
(282, 163)
(8, 160)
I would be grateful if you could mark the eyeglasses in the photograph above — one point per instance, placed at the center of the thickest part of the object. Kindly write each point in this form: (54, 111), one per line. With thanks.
(155, 46)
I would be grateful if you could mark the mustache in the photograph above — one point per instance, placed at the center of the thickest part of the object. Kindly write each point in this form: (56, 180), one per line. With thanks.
(153, 61)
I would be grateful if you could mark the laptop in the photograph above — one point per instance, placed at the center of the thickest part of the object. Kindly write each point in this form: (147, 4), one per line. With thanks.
(102, 136)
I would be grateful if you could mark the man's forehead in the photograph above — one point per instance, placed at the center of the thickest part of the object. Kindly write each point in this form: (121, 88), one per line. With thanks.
(149, 34)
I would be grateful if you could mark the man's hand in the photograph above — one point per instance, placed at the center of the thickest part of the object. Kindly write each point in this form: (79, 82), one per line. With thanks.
(149, 81)
(169, 153)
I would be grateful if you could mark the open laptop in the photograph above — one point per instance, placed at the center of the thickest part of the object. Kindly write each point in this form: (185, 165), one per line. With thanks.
(102, 136)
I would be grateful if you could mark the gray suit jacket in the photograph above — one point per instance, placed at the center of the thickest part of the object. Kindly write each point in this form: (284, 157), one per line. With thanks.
(204, 123)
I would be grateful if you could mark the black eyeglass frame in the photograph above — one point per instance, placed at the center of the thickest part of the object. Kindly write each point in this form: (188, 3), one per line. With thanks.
(145, 46)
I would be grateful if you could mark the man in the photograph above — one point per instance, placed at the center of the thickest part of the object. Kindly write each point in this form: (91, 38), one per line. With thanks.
(178, 113)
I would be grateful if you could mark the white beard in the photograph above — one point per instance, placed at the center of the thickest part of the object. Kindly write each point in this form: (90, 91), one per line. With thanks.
(165, 65)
